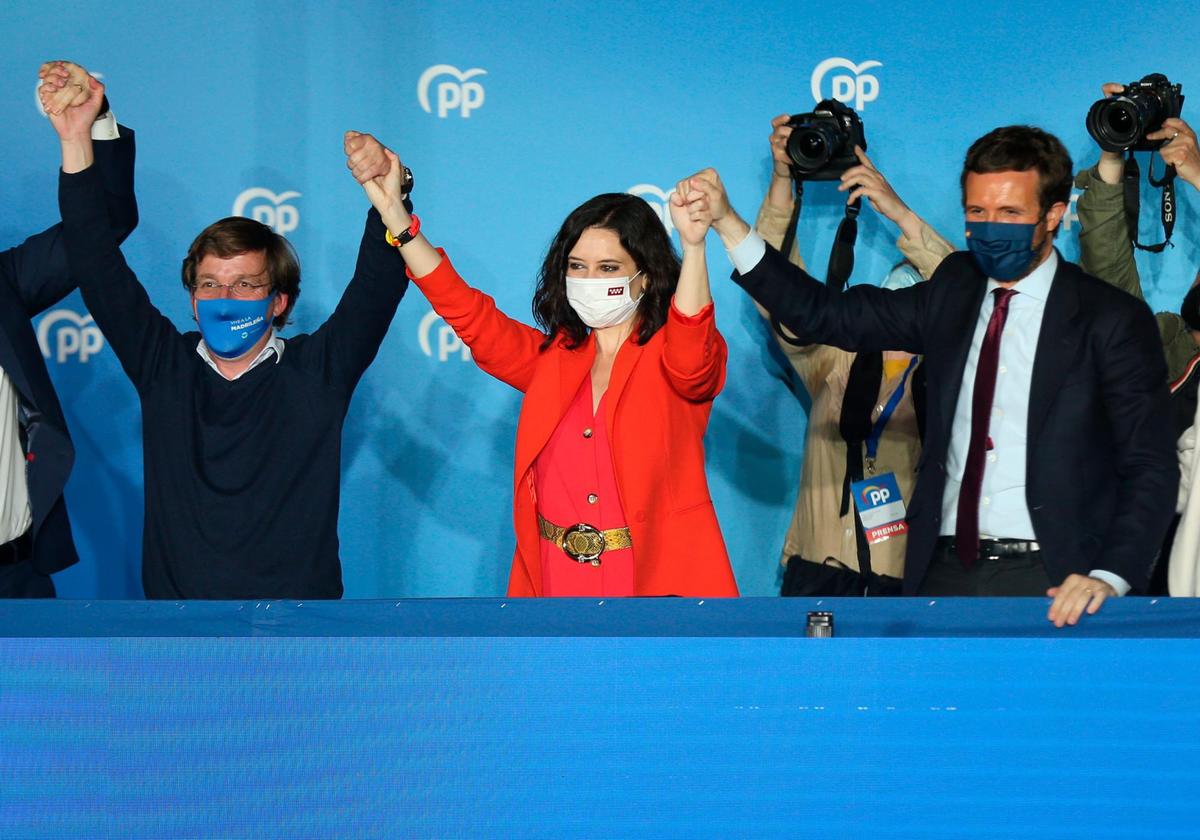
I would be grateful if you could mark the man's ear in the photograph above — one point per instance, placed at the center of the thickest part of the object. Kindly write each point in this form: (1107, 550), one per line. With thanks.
(1054, 215)
(280, 305)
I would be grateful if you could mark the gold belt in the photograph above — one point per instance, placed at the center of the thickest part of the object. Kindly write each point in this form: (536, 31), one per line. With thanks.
(582, 542)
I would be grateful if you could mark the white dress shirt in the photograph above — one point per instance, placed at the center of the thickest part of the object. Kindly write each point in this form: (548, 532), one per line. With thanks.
(274, 346)
(15, 515)
(1003, 512)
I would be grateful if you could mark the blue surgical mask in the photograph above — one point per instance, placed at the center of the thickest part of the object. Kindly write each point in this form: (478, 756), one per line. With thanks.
(1002, 250)
(231, 327)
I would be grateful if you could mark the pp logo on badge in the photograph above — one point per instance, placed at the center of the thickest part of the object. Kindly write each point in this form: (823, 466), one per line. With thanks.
(458, 93)
(76, 335)
(857, 89)
(873, 496)
(658, 201)
(270, 209)
(448, 344)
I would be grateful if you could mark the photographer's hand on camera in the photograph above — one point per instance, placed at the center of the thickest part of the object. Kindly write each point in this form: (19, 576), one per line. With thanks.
(781, 193)
(1111, 166)
(1180, 150)
(866, 180)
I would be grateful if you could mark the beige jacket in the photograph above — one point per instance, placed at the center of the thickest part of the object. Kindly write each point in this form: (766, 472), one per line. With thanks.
(818, 530)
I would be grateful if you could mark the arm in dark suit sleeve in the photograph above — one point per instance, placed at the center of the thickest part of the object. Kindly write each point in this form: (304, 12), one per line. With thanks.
(38, 267)
(1133, 376)
(347, 342)
(144, 341)
(860, 318)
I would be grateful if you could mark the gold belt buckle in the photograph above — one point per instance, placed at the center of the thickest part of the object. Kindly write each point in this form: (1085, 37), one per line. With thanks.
(583, 543)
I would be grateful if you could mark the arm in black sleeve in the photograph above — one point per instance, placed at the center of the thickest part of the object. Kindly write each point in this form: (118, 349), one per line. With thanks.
(38, 267)
(145, 342)
(346, 344)
(860, 318)
(1133, 376)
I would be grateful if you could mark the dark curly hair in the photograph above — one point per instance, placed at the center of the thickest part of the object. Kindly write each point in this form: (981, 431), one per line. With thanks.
(642, 235)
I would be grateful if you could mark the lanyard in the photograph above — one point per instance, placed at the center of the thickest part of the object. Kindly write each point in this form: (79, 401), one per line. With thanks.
(884, 416)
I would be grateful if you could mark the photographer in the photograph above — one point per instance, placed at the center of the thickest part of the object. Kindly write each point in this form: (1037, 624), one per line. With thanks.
(1106, 251)
(824, 549)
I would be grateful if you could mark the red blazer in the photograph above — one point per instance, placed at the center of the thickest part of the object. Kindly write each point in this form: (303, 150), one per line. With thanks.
(656, 409)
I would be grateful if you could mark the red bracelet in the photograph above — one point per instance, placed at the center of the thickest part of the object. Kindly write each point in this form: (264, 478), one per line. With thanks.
(405, 236)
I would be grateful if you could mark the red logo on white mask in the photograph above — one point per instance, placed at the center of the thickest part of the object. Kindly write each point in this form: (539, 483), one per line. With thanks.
(616, 291)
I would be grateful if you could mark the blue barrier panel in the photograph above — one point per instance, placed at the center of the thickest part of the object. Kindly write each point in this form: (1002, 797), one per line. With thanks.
(948, 718)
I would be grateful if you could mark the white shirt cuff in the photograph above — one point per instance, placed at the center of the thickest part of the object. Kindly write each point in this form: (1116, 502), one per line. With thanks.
(748, 253)
(1115, 581)
(105, 128)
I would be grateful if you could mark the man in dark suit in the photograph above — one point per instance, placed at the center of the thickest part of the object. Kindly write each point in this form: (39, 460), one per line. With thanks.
(1048, 463)
(35, 449)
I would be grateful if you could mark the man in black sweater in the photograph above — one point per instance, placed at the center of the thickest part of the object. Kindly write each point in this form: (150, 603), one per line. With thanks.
(241, 429)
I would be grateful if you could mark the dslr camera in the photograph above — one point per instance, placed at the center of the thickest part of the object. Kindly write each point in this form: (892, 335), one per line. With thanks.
(821, 145)
(1120, 123)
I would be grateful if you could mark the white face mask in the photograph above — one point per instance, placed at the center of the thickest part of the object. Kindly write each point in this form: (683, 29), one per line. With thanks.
(602, 301)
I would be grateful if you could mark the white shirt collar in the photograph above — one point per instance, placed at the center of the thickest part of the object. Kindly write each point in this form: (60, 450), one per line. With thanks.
(274, 345)
(1037, 284)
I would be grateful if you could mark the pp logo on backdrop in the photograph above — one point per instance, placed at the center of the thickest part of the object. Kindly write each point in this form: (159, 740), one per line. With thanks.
(854, 88)
(74, 335)
(457, 93)
(658, 201)
(1072, 215)
(270, 209)
(448, 344)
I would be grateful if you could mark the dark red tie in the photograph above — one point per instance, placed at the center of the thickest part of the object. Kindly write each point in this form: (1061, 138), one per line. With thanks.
(966, 534)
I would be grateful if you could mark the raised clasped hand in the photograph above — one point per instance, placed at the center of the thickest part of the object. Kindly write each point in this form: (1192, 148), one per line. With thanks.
(70, 97)
(690, 212)
(383, 183)
(365, 156)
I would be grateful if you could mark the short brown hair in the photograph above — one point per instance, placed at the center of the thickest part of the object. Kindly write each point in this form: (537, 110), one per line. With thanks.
(238, 235)
(1019, 148)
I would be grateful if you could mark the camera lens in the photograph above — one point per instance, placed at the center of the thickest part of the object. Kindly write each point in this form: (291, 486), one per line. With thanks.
(1115, 123)
(1120, 122)
(811, 146)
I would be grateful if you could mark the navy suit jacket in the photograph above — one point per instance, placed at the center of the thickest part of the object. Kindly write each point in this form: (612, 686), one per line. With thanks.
(1101, 474)
(33, 277)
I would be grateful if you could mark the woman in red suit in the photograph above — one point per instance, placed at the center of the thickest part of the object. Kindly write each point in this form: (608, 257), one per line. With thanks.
(609, 493)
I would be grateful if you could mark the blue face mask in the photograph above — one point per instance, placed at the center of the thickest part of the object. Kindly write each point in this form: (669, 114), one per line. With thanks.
(1003, 250)
(231, 327)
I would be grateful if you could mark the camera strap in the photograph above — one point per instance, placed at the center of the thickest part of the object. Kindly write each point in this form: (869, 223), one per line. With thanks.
(1133, 205)
(841, 256)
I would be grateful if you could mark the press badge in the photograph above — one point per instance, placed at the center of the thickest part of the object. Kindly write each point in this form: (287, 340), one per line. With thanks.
(880, 507)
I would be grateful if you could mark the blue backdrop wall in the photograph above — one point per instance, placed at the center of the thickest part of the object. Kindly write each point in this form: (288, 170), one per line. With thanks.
(511, 115)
